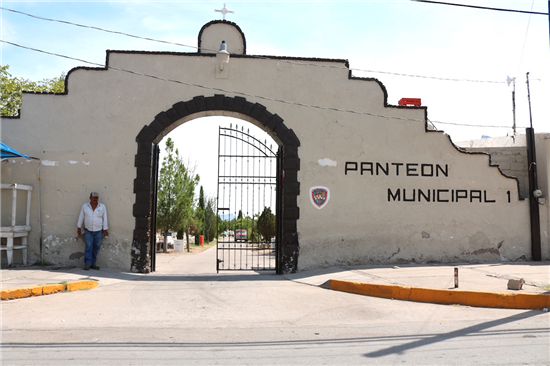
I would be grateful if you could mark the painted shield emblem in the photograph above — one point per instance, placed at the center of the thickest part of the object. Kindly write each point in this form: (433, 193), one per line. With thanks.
(319, 196)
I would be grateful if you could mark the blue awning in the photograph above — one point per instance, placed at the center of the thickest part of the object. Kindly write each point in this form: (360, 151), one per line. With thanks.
(8, 152)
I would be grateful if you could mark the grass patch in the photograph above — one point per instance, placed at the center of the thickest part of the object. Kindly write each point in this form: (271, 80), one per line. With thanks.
(57, 283)
(210, 244)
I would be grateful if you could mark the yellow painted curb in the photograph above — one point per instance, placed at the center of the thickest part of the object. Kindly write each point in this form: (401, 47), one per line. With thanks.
(51, 289)
(438, 296)
(18, 293)
(81, 285)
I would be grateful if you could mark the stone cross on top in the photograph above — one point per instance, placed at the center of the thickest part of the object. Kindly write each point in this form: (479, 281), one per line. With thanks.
(224, 11)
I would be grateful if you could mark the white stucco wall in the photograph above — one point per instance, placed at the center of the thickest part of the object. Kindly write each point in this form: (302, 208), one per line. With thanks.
(510, 154)
(88, 138)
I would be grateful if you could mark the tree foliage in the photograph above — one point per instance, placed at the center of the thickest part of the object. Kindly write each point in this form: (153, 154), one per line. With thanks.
(176, 192)
(266, 224)
(12, 89)
(199, 216)
(260, 229)
(210, 221)
(201, 198)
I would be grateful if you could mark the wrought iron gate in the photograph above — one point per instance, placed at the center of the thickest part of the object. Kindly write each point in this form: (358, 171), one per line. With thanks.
(153, 220)
(247, 205)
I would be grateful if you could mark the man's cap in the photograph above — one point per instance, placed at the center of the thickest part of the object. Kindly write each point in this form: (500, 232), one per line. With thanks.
(94, 194)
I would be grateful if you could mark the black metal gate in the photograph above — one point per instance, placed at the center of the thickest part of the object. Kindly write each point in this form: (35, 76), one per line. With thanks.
(249, 211)
(153, 220)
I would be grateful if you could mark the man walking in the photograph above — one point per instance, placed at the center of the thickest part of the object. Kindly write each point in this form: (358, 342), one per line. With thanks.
(94, 217)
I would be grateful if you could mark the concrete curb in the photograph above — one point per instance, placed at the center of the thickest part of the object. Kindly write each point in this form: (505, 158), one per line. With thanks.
(438, 296)
(21, 292)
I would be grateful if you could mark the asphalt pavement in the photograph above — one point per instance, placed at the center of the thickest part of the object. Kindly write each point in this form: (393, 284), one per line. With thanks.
(465, 277)
(484, 277)
(186, 313)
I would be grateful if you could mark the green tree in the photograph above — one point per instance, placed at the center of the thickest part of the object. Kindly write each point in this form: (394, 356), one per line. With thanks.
(222, 225)
(210, 219)
(192, 229)
(199, 216)
(201, 198)
(176, 192)
(266, 224)
(12, 89)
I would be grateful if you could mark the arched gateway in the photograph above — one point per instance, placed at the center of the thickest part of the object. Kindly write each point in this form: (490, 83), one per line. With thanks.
(365, 182)
(146, 167)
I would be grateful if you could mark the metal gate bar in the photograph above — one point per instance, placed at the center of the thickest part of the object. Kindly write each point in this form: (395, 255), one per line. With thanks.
(154, 194)
(247, 185)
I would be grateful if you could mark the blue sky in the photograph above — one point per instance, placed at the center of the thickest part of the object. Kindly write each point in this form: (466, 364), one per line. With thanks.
(392, 36)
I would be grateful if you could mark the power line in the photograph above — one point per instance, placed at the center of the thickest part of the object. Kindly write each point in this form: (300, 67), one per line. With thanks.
(525, 38)
(480, 7)
(98, 28)
(243, 93)
(431, 77)
(469, 125)
(252, 56)
(52, 53)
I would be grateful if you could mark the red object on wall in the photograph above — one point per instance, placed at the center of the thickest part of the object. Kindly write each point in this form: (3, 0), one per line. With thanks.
(410, 101)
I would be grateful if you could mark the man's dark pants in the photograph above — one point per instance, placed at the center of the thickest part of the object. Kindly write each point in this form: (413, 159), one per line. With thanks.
(93, 243)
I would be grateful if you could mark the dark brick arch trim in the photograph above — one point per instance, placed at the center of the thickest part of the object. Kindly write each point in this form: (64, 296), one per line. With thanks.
(144, 174)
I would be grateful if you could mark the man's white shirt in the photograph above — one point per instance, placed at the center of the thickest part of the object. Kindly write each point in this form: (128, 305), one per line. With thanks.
(94, 220)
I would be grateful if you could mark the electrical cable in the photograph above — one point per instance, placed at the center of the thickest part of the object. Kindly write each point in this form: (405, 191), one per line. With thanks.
(246, 94)
(98, 28)
(297, 63)
(431, 77)
(480, 7)
(525, 39)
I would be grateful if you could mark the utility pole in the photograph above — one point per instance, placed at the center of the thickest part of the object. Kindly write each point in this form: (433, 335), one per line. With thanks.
(513, 80)
(514, 107)
(529, 100)
(536, 250)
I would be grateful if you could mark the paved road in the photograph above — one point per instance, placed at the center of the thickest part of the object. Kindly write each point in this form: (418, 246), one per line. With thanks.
(187, 314)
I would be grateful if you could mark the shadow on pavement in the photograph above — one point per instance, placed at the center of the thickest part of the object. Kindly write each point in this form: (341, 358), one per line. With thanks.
(464, 332)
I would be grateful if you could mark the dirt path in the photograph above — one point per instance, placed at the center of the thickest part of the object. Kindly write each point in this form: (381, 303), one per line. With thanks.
(193, 249)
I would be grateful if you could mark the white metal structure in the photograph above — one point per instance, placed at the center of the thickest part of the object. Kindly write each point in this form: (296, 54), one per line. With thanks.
(14, 230)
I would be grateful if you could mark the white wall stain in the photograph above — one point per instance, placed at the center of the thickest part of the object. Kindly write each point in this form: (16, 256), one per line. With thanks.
(52, 240)
(327, 162)
(49, 163)
(73, 162)
(86, 162)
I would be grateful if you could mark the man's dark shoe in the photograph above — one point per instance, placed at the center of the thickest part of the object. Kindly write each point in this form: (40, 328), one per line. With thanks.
(86, 267)
(93, 266)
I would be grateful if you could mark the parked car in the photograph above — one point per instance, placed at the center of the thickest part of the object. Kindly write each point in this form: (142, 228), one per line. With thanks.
(241, 235)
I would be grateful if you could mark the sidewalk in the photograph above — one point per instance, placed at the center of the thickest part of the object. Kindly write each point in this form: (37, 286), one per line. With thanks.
(491, 277)
(483, 285)
(380, 280)
(25, 281)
